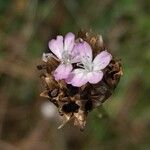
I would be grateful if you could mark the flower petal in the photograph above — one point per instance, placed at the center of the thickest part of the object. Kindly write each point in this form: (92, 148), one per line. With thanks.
(75, 56)
(62, 71)
(56, 46)
(95, 76)
(69, 42)
(102, 60)
(84, 49)
(77, 78)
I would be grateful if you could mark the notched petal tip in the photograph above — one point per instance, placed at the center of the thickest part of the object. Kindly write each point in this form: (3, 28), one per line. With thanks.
(56, 46)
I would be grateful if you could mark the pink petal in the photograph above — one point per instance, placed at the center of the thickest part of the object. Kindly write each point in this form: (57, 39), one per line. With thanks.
(84, 49)
(94, 77)
(75, 55)
(62, 71)
(69, 42)
(77, 78)
(102, 60)
(76, 58)
(56, 46)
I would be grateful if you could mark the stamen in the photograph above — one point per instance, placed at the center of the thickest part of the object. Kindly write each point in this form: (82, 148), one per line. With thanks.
(66, 58)
(80, 65)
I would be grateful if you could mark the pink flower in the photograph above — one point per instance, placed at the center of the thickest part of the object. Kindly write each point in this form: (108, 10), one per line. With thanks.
(63, 50)
(90, 70)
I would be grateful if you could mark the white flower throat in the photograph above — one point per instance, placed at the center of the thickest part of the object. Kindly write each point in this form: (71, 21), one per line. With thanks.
(66, 58)
(86, 63)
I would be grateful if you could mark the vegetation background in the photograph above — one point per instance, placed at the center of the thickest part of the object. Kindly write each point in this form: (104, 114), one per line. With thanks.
(29, 122)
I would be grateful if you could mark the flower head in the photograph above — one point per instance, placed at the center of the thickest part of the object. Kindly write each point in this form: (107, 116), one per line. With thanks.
(63, 51)
(74, 61)
(90, 70)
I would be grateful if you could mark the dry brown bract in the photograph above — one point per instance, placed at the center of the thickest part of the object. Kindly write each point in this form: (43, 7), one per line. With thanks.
(73, 102)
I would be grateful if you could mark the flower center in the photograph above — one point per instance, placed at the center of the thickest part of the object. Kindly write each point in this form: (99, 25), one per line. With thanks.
(87, 64)
(66, 58)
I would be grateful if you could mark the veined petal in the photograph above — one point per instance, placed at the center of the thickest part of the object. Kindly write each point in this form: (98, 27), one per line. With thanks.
(69, 42)
(62, 71)
(75, 56)
(56, 46)
(94, 77)
(101, 60)
(77, 78)
(84, 50)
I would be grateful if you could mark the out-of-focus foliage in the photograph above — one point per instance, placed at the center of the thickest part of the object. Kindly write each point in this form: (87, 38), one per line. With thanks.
(26, 26)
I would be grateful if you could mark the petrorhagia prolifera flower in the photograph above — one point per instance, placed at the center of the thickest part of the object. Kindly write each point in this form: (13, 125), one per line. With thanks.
(90, 70)
(63, 51)
(79, 74)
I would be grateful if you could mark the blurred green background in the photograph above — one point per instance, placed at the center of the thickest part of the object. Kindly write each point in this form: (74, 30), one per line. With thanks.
(29, 122)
